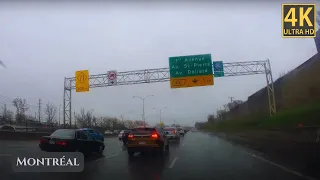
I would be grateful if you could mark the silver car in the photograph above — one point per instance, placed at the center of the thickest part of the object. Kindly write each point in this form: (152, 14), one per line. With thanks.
(172, 133)
(120, 135)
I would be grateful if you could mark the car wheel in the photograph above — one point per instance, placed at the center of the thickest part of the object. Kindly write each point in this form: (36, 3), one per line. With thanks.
(100, 150)
(167, 148)
(162, 150)
(130, 153)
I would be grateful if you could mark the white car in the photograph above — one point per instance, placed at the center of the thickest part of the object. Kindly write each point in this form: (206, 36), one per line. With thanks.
(120, 134)
(108, 132)
(181, 131)
(172, 133)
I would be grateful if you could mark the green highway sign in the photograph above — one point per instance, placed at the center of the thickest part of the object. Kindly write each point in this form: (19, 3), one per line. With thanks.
(194, 65)
(218, 68)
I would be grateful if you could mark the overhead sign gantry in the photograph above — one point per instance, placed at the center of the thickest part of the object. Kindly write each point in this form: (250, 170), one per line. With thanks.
(194, 75)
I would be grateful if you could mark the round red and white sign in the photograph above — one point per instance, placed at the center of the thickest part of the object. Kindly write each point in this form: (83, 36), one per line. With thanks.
(112, 75)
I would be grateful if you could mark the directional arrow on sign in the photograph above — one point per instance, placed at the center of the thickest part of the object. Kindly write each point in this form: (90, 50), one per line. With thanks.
(195, 81)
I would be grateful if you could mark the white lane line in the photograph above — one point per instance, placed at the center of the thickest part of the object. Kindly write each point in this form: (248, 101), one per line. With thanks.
(173, 162)
(111, 156)
(5, 155)
(283, 168)
(106, 157)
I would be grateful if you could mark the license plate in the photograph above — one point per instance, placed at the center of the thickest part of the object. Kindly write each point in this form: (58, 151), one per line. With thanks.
(142, 142)
(51, 142)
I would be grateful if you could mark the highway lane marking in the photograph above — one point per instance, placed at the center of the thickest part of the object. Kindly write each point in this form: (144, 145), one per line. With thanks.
(106, 157)
(282, 167)
(111, 156)
(173, 162)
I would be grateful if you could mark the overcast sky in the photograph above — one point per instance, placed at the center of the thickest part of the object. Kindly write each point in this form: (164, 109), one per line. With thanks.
(43, 43)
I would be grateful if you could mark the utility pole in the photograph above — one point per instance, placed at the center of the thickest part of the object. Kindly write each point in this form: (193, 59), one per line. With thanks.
(39, 111)
(24, 117)
(161, 114)
(231, 99)
(75, 121)
(59, 113)
(5, 111)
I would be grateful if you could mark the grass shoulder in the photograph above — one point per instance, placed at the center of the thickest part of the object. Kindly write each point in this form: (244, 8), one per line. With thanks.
(308, 115)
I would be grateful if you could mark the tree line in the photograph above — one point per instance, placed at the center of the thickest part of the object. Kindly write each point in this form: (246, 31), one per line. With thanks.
(84, 118)
(20, 117)
(220, 114)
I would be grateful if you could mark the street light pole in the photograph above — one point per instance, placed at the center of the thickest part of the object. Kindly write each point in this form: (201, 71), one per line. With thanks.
(143, 116)
(59, 113)
(161, 113)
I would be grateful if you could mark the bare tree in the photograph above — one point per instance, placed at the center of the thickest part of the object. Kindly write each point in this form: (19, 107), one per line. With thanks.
(211, 118)
(221, 114)
(50, 110)
(21, 107)
(283, 73)
(129, 124)
(234, 104)
(6, 115)
(95, 121)
(85, 118)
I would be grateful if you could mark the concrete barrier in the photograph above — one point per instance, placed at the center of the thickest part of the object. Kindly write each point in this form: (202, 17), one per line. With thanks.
(16, 135)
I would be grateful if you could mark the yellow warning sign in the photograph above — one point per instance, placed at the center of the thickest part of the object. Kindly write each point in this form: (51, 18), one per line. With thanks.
(82, 81)
(191, 81)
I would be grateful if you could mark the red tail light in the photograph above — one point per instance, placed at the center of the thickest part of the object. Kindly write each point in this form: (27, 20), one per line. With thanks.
(130, 136)
(174, 132)
(62, 143)
(154, 135)
(43, 141)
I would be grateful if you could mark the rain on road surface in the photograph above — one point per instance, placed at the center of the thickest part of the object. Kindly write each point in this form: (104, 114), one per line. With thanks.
(197, 156)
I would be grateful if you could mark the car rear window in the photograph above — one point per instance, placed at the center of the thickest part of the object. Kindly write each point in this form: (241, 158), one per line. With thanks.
(69, 133)
(144, 129)
(169, 129)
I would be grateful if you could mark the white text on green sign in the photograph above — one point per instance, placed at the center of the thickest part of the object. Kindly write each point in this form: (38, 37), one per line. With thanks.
(194, 65)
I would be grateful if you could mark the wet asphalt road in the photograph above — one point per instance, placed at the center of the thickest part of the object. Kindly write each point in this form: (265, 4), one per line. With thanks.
(197, 156)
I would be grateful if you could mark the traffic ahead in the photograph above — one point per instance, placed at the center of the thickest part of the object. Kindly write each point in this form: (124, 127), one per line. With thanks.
(195, 156)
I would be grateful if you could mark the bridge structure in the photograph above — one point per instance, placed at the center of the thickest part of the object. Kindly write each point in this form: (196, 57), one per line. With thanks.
(163, 75)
